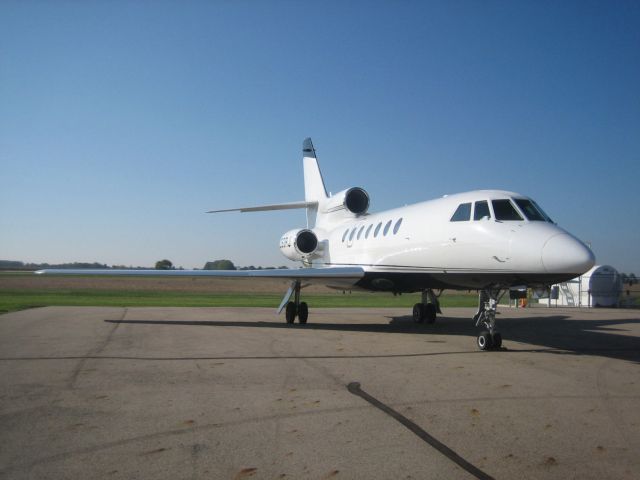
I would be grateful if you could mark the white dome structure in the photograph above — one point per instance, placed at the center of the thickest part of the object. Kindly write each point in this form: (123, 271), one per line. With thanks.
(599, 287)
(603, 284)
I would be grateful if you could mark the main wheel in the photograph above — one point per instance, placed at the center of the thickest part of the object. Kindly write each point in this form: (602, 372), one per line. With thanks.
(484, 341)
(418, 313)
(497, 340)
(303, 312)
(430, 312)
(290, 312)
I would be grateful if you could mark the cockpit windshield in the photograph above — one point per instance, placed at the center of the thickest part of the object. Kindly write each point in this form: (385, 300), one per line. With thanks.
(531, 210)
(544, 214)
(505, 211)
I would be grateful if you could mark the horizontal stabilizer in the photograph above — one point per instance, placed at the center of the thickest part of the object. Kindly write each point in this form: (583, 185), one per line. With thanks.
(263, 208)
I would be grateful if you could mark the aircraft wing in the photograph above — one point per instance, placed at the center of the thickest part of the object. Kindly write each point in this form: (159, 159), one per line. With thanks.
(336, 277)
(263, 208)
(330, 273)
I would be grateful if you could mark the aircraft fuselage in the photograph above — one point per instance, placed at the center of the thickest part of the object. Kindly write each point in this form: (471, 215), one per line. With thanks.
(419, 246)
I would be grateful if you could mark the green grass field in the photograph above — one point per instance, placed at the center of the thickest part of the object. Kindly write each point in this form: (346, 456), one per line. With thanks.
(21, 290)
(12, 300)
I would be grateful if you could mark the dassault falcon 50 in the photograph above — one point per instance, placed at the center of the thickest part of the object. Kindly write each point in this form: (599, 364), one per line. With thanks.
(492, 241)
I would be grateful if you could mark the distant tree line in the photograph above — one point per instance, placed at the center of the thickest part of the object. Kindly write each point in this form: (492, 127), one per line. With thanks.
(16, 265)
(629, 279)
(228, 265)
(219, 265)
(164, 264)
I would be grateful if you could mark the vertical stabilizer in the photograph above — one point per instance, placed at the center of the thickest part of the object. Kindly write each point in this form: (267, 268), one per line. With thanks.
(314, 189)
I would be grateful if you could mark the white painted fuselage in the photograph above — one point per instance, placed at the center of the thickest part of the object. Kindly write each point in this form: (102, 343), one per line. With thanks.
(419, 246)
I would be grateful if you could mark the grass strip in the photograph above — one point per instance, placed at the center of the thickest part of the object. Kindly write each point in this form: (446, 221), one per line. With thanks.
(13, 300)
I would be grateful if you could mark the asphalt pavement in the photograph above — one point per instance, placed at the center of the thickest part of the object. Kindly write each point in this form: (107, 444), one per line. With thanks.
(233, 393)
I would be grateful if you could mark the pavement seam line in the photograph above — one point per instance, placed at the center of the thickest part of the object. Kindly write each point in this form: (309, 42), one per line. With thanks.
(354, 388)
(94, 352)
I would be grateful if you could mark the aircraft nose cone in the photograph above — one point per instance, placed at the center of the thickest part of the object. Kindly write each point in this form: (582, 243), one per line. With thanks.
(563, 253)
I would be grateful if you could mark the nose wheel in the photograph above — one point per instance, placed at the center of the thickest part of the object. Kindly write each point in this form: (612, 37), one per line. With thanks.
(486, 341)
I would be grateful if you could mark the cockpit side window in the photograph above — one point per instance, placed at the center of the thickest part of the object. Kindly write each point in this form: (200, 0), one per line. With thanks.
(462, 213)
(505, 211)
(482, 210)
(529, 209)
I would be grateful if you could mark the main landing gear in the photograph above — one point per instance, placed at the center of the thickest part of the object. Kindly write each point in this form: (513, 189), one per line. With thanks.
(426, 310)
(489, 338)
(295, 308)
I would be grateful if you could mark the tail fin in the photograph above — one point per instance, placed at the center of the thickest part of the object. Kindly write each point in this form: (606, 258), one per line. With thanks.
(314, 189)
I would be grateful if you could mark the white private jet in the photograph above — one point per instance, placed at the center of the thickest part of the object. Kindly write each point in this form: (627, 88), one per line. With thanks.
(492, 241)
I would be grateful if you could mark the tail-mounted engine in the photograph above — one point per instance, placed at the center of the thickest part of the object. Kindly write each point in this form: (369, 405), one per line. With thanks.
(300, 245)
(354, 200)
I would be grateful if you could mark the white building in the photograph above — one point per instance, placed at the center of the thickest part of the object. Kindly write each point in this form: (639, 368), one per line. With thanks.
(599, 287)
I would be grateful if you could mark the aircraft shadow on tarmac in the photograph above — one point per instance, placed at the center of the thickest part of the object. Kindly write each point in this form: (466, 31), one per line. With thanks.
(557, 334)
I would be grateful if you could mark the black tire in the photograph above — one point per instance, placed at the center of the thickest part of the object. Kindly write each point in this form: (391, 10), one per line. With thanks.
(290, 312)
(497, 340)
(430, 312)
(418, 313)
(484, 341)
(303, 312)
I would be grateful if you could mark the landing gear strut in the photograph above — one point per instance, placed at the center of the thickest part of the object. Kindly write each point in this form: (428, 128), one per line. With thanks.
(427, 309)
(295, 308)
(489, 338)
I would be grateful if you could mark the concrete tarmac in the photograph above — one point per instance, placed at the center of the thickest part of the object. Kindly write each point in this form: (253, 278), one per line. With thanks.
(233, 393)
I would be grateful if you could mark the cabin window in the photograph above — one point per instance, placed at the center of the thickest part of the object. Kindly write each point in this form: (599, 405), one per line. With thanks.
(462, 213)
(366, 234)
(375, 232)
(505, 211)
(482, 210)
(353, 232)
(360, 232)
(386, 228)
(344, 236)
(396, 227)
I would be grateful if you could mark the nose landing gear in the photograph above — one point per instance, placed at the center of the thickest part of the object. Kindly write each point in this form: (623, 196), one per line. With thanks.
(489, 338)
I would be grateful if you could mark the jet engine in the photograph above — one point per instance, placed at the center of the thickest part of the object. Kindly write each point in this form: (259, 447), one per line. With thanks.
(354, 200)
(300, 245)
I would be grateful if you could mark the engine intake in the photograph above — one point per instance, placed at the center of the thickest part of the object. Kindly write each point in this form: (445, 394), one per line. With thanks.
(300, 245)
(355, 200)
(306, 242)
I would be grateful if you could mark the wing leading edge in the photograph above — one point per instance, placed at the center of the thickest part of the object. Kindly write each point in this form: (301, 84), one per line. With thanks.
(264, 208)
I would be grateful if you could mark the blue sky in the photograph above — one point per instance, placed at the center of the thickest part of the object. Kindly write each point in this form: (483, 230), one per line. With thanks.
(121, 123)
